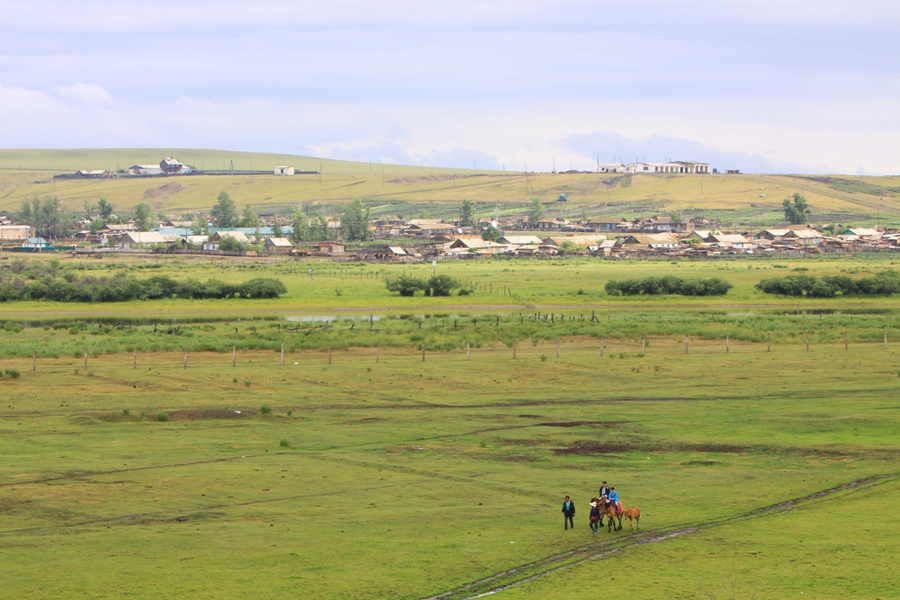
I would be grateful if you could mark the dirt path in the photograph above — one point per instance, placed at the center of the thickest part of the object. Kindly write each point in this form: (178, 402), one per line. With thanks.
(571, 558)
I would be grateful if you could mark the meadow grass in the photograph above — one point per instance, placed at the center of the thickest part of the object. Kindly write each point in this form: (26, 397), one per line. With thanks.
(451, 468)
(417, 192)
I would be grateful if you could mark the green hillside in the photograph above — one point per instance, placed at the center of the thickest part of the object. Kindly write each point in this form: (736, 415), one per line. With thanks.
(411, 191)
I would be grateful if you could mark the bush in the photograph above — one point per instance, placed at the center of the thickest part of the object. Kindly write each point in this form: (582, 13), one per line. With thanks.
(442, 285)
(406, 285)
(162, 417)
(265, 409)
(884, 283)
(13, 373)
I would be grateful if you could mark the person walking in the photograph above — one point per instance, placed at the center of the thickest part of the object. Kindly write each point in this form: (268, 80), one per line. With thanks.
(568, 511)
(595, 516)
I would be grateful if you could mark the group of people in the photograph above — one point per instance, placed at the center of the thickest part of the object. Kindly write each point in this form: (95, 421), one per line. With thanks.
(608, 497)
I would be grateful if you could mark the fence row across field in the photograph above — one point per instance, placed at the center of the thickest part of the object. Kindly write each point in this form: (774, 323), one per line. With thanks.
(581, 348)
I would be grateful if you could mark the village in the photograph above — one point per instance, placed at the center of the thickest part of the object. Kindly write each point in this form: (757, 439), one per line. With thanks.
(398, 239)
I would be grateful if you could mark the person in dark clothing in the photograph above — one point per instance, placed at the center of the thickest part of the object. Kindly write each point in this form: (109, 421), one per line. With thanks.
(568, 511)
(595, 515)
(604, 493)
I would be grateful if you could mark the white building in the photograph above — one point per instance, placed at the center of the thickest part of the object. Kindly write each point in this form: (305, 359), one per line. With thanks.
(284, 170)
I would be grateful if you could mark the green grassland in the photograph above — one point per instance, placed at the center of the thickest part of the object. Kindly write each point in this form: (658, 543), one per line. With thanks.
(372, 470)
(405, 478)
(414, 192)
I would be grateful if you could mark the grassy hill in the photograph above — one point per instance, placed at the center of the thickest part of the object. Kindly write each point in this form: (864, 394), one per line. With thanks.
(431, 191)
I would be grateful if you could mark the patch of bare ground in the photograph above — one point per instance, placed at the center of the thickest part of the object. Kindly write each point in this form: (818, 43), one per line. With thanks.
(163, 190)
(603, 549)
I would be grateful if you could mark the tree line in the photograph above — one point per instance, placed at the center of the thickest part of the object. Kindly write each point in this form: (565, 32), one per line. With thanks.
(124, 288)
(880, 284)
(651, 286)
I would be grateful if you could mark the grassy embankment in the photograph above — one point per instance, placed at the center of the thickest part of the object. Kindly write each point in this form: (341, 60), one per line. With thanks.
(746, 200)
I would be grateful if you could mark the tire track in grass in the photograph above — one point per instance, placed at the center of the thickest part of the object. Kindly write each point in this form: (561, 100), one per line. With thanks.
(564, 560)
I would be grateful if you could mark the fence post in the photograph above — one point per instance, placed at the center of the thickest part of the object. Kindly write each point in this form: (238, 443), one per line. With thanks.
(807, 341)
(34, 360)
(643, 345)
(468, 351)
(514, 351)
(377, 354)
(686, 342)
(423, 351)
(233, 355)
(134, 359)
(85, 359)
(557, 347)
(768, 342)
(184, 364)
(602, 340)
(885, 339)
(329, 355)
(282, 355)
(846, 342)
(727, 346)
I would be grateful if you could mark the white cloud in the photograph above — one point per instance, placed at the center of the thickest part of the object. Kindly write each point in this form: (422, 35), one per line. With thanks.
(84, 92)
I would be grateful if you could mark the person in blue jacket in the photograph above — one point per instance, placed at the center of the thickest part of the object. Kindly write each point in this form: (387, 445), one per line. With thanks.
(568, 511)
(614, 498)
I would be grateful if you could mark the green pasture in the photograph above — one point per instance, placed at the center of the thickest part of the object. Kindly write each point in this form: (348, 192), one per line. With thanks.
(403, 479)
(514, 285)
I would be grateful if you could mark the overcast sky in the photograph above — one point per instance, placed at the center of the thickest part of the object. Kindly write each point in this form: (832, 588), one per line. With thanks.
(762, 86)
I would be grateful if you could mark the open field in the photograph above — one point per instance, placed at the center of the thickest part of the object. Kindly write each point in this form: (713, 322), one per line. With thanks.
(406, 479)
(414, 192)
(373, 471)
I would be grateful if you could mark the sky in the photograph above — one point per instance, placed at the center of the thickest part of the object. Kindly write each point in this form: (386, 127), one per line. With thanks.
(765, 86)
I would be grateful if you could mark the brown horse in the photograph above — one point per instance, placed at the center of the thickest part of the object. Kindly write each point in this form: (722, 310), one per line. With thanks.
(634, 516)
(608, 509)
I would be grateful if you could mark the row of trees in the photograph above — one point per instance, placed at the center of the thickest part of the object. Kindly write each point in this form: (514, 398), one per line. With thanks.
(651, 286)
(880, 284)
(124, 288)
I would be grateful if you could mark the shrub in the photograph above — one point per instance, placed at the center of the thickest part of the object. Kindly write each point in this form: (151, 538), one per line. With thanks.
(265, 409)
(162, 417)
(406, 285)
(13, 373)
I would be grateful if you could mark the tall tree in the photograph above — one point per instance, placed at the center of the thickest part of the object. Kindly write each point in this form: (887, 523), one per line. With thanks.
(49, 217)
(105, 208)
(491, 234)
(301, 227)
(145, 217)
(536, 212)
(355, 222)
(467, 217)
(249, 218)
(224, 213)
(796, 209)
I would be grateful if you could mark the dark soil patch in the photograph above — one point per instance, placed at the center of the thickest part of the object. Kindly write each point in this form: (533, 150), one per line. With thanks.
(580, 423)
(163, 190)
(590, 447)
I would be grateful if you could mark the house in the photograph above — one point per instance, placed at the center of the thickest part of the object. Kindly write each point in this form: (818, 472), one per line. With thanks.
(15, 232)
(36, 244)
(145, 170)
(520, 240)
(284, 170)
(422, 228)
(862, 232)
(611, 168)
(658, 224)
(773, 235)
(584, 241)
(215, 239)
(144, 239)
(804, 237)
(278, 245)
(608, 224)
(550, 224)
(331, 248)
(651, 240)
(476, 245)
(605, 248)
(171, 166)
(731, 240)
